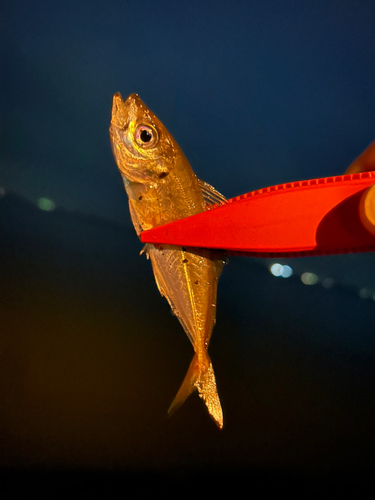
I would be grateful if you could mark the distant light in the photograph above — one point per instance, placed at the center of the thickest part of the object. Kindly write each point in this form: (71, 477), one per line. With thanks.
(287, 271)
(309, 278)
(281, 271)
(46, 204)
(328, 282)
(276, 269)
(2, 192)
(364, 293)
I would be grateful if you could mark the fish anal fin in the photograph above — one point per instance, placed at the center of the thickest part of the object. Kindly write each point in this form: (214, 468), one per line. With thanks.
(200, 377)
(211, 195)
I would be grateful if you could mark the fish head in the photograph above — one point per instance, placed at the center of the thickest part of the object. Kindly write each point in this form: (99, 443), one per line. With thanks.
(144, 150)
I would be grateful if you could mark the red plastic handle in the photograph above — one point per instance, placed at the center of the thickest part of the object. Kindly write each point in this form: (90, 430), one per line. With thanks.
(313, 217)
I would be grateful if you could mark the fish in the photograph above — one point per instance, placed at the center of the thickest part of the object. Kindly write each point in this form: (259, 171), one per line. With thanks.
(162, 187)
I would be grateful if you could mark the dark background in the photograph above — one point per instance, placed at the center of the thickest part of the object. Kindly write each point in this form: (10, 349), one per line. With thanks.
(256, 93)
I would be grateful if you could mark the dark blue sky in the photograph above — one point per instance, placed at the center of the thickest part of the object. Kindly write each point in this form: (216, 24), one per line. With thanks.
(256, 93)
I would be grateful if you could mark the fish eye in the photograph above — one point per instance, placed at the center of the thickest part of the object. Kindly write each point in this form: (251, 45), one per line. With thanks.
(146, 136)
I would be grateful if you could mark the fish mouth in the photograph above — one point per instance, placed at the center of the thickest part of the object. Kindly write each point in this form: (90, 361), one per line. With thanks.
(120, 112)
(133, 99)
(117, 102)
(125, 111)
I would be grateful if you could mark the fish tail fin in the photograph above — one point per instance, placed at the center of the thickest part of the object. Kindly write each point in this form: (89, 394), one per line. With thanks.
(200, 377)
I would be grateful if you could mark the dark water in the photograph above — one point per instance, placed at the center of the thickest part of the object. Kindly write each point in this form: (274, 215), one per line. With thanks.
(91, 359)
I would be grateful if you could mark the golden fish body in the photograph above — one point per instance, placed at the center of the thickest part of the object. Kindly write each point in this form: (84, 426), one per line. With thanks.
(162, 187)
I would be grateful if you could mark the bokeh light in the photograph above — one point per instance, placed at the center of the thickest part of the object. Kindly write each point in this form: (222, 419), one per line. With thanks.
(46, 204)
(281, 271)
(309, 278)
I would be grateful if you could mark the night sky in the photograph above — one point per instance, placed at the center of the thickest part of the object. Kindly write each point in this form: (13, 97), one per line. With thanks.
(256, 94)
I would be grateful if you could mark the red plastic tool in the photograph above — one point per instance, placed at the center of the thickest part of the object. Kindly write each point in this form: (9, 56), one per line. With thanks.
(313, 217)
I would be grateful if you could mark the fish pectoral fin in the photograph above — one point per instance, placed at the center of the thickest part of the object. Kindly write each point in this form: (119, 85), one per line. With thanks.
(211, 195)
(200, 377)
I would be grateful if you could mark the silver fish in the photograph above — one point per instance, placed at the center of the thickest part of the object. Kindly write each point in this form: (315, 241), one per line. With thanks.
(162, 187)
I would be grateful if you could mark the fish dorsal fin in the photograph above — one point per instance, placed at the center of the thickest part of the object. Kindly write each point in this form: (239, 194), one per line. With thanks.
(210, 195)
